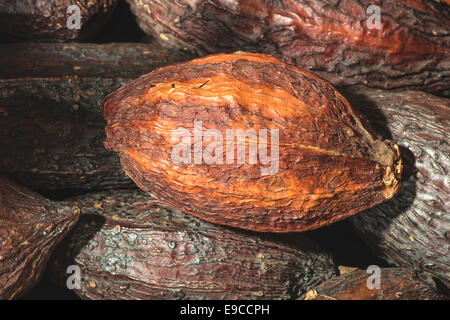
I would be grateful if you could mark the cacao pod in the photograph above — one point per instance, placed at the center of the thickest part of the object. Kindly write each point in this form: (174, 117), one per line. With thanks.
(51, 127)
(130, 247)
(324, 165)
(47, 145)
(413, 228)
(30, 228)
(380, 43)
(54, 20)
(395, 284)
(70, 62)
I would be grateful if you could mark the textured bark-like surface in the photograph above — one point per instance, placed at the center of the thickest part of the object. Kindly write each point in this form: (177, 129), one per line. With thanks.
(130, 247)
(30, 228)
(413, 228)
(47, 20)
(323, 166)
(84, 60)
(331, 38)
(51, 126)
(47, 145)
(395, 284)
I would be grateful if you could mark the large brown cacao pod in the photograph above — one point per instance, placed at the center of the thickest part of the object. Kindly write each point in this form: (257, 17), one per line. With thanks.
(51, 126)
(413, 228)
(30, 228)
(395, 284)
(328, 165)
(335, 39)
(47, 20)
(129, 247)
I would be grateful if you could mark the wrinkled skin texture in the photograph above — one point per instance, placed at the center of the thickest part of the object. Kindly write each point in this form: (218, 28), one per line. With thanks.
(396, 284)
(330, 166)
(46, 20)
(51, 126)
(30, 228)
(331, 38)
(130, 247)
(413, 228)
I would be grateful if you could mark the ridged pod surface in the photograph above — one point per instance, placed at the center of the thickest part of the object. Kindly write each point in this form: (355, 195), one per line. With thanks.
(395, 284)
(328, 166)
(339, 40)
(30, 228)
(413, 228)
(130, 247)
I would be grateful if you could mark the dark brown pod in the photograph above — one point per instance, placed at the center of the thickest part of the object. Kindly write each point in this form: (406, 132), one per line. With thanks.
(48, 145)
(129, 247)
(338, 40)
(83, 61)
(51, 127)
(413, 228)
(395, 284)
(30, 228)
(47, 20)
(324, 165)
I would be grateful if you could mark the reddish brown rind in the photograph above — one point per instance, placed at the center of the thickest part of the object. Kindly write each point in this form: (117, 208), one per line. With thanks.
(335, 39)
(330, 166)
(395, 284)
(413, 228)
(128, 246)
(30, 228)
(47, 20)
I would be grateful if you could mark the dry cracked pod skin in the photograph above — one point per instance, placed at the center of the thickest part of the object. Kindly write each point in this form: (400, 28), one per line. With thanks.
(30, 228)
(413, 228)
(334, 39)
(329, 165)
(130, 247)
(396, 284)
(46, 20)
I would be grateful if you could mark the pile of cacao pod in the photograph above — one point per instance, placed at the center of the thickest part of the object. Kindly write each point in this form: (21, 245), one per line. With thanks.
(225, 149)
